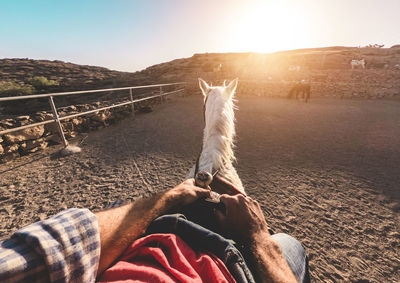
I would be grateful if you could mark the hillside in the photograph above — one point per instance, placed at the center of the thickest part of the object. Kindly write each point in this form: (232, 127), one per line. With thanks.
(27, 76)
(327, 69)
(67, 76)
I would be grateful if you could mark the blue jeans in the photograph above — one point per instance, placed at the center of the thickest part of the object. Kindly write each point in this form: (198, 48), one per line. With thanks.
(295, 256)
(208, 238)
(202, 238)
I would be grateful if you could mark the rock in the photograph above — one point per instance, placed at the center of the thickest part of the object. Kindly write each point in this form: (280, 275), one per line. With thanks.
(43, 116)
(100, 117)
(23, 135)
(84, 107)
(7, 123)
(62, 113)
(11, 148)
(48, 116)
(76, 121)
(37, 147)
(35, 143)
(71, 108)
(1, 149)
(21, 118)
(70, 134)
(52, 128)
(24, 122)
(68, 126)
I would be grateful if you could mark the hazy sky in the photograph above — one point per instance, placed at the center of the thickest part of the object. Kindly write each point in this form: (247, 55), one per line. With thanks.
(130, 35)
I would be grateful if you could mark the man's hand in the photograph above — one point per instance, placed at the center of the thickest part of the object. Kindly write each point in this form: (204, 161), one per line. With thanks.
(186, 193)
(243, 220)
(120, 226)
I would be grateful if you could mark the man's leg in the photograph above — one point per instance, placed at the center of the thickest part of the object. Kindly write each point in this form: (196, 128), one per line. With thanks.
(295, 255)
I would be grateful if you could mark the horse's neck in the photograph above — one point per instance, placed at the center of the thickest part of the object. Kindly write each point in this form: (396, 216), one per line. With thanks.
(219, 133)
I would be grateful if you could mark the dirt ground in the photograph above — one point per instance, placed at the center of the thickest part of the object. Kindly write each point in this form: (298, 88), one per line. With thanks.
(326, 172)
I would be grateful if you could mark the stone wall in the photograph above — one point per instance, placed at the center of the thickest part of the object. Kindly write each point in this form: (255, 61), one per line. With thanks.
(30, 140)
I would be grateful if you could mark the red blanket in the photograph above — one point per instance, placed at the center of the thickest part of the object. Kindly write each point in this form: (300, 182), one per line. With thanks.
(166, 258)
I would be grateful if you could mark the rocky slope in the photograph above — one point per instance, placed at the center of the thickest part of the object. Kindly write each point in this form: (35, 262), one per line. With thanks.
(68, 76)
(327, 69)
(330, 65)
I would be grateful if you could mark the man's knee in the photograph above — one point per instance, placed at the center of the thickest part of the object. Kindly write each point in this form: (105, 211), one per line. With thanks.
(289, 244)
(295, 255)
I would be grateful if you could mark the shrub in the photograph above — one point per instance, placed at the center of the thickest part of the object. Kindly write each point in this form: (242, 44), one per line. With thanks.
(42, 82)
(13, 89)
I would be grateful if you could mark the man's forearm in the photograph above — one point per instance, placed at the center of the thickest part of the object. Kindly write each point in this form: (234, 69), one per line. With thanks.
(120, 226)
(268, 260)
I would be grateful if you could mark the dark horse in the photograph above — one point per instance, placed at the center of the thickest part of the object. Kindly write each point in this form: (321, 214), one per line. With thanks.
(302, 89)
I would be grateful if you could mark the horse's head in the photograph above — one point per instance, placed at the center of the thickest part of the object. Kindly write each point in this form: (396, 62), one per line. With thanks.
(218, 94)
(218, 100)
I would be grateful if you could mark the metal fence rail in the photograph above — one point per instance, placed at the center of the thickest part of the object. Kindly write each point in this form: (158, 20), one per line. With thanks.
(58, 119)
(84, 91)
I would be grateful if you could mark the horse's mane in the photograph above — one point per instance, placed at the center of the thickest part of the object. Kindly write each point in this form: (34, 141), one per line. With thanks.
(220, 127)
(217, 154)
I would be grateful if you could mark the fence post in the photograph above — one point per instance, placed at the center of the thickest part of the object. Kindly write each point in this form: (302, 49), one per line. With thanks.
(55, 114)
(183, 86)
(177, 88)
(162, 98)
(133, 104)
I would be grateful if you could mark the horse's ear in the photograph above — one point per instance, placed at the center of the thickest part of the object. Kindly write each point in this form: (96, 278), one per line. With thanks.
(232, 87)
(203, 86)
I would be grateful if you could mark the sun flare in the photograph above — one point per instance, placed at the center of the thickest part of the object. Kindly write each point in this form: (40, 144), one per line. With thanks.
(270, 27)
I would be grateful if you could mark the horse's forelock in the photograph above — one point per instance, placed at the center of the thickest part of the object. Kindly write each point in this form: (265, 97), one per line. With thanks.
(220, 92)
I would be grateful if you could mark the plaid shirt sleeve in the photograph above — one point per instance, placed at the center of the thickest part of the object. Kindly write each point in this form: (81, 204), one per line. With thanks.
(63, 248)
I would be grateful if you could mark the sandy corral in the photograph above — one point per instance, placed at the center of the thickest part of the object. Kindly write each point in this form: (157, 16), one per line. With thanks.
(327, 172)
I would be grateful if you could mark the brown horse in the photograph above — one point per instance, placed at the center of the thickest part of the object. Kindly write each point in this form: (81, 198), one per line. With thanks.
(300, 88)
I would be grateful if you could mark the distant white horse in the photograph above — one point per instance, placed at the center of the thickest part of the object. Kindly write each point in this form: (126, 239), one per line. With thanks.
(219, 132)
(217, 68)
(294, 68)
(355, 63)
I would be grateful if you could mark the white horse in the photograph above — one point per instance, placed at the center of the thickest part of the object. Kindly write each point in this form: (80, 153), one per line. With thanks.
(217, 68)
(356, 63)
(219, 131)
(294, 68)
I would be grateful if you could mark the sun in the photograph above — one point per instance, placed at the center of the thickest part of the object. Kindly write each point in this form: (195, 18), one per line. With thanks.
(270, 27)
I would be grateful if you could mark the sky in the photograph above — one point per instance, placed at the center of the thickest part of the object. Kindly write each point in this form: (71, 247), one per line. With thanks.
(129, 35)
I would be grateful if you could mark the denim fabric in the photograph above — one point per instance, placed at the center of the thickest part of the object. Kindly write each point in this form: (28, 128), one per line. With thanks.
(295, 256)
(203, 239)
